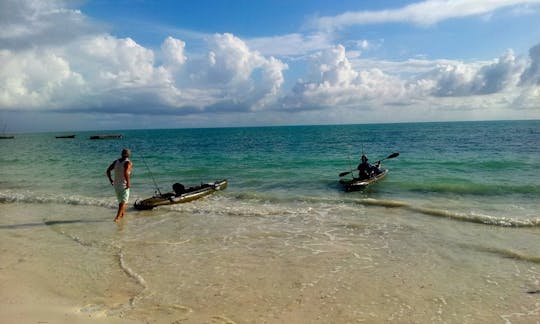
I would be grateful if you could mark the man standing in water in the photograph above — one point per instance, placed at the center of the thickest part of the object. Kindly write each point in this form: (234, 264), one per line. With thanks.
(121, 182)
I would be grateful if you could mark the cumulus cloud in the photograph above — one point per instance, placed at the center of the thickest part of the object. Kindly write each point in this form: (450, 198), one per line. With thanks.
(231, 75)
(113, 62)
(333, 81)
(462, 79)
(91, 70)
(422, 13)
(531, 76)
(73, 66)
(173, 51)
(29, 23)
(32, 79)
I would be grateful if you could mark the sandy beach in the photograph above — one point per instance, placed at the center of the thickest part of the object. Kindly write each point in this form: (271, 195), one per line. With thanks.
(333, 271)
(38, 280)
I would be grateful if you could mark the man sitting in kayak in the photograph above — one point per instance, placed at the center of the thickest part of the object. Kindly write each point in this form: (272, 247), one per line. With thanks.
(178, 190)
(366, 170)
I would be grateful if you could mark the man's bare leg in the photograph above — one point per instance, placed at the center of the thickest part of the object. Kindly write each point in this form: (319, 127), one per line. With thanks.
(121, 211)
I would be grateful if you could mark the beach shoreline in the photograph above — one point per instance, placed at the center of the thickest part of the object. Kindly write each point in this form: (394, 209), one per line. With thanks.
(356, 269)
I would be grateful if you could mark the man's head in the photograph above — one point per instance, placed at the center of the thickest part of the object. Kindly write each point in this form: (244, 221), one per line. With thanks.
(126, 153)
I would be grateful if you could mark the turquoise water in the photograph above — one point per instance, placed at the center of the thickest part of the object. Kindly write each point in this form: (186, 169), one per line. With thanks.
(465, 168)
(451, 235)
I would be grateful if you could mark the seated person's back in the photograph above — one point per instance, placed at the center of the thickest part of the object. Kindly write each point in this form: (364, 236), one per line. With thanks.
(179, 188)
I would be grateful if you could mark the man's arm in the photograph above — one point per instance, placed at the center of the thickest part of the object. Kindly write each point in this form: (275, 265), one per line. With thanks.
(109, 169)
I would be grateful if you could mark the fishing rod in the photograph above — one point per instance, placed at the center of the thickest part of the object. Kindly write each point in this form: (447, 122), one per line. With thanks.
(151, 175)
(350, 163)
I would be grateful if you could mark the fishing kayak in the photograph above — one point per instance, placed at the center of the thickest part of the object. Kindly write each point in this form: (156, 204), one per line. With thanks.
(359, 184)
(188, 195)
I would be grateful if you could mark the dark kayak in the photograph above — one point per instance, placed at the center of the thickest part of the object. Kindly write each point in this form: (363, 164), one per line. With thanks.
(359, 184)
(189, 194)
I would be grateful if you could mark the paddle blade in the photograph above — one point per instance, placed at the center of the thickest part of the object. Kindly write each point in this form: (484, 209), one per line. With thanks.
(344, 173)
(393, 155)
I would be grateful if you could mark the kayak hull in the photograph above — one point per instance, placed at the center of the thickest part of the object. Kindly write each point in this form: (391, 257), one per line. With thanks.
(191, 194)
(359, 184)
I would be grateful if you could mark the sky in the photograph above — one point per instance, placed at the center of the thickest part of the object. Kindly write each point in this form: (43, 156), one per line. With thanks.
(140, 64)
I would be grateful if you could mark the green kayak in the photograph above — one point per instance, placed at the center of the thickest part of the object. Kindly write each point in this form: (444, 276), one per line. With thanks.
(181, 196)
(359, 184)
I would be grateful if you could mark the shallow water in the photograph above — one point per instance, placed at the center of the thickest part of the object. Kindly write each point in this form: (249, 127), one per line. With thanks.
(433, 242)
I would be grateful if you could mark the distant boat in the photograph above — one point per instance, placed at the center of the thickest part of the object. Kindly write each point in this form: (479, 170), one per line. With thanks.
(65, 136)
(106, 136)
(4, 136)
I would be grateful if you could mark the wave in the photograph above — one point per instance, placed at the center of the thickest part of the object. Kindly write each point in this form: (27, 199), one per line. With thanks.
(254, 204)
(507, 254)
(479, 218)
(268, 206)
(33, 198)
(466, 217)
(444, 187)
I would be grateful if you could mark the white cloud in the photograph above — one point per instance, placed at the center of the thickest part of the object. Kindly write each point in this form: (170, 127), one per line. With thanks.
(460, 79)
(532, 74)
(30, 23)
(232, 61)
(291, 44)
(444, 86)
(234, 74)
(73, 67)
(113, 62)
(173, 51)
(528, 99)
(334, 82)
(97, 71)
(125, 76)
(36, 79)
(421, 13)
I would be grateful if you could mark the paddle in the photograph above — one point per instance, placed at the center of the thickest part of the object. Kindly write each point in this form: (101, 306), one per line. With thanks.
(391, 156)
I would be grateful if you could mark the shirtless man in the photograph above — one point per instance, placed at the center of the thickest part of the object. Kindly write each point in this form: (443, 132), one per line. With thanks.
(121, 182)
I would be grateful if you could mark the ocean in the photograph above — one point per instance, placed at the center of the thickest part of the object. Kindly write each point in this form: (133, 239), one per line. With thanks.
(450, 235)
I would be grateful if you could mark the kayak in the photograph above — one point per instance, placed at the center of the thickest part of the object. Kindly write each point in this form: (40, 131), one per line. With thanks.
(188, 195)
(359, 184)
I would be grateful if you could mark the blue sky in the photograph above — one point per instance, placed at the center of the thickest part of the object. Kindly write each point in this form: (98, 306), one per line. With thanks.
(104, 64)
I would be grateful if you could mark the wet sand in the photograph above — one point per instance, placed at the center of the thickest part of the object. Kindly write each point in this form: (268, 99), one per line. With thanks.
(38, 281)
(74, 265)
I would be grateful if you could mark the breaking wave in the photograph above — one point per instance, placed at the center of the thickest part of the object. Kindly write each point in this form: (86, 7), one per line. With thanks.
(264, 205)
(33, 198)
(466, 217)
